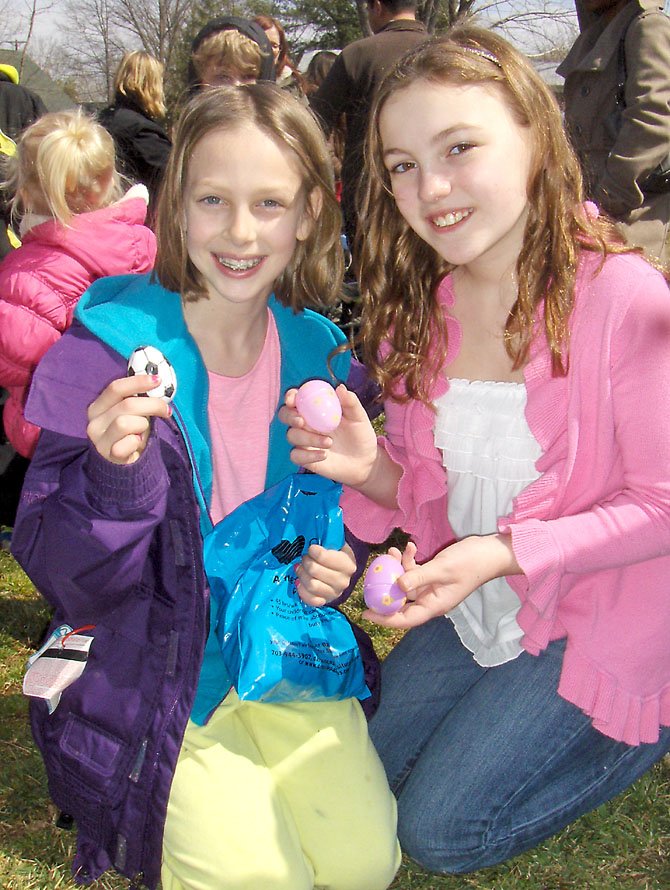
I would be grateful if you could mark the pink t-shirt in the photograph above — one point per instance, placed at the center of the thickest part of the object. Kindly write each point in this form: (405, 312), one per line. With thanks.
(240, 410)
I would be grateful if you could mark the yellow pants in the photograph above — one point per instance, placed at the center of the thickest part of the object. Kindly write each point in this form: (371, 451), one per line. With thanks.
(280, 796)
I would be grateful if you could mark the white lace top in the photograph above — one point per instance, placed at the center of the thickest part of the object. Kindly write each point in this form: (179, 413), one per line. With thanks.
(489, 454)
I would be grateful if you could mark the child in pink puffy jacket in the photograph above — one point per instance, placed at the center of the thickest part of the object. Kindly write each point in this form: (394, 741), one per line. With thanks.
(76, 226)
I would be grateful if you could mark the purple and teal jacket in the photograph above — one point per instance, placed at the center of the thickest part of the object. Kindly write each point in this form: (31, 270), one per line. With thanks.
(120, 547)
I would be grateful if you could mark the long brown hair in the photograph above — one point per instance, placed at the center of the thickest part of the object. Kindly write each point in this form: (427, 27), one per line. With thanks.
(284, 59)
(314, 275)
(399, 272)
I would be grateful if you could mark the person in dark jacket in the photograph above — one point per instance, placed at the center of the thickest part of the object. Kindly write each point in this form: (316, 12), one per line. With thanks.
(352, 82)
(19, 107)
(134, 120)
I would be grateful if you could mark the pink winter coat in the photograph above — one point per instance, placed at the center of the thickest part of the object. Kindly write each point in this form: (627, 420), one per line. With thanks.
(41, 282)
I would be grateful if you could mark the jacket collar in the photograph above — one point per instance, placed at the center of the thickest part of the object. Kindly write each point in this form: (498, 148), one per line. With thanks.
(403, 25)
(133, 310)
(603, 37)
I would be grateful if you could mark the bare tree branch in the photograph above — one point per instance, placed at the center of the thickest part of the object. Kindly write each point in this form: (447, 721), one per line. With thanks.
(95, 33)
(156, 24)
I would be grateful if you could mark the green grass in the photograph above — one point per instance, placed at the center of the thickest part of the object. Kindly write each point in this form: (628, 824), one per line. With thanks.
(624, 845)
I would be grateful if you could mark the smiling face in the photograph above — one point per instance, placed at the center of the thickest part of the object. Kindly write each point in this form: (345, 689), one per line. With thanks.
(245, 210)
(459, 166)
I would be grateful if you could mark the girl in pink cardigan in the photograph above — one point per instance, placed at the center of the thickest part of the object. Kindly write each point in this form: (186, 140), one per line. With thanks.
(524, 356)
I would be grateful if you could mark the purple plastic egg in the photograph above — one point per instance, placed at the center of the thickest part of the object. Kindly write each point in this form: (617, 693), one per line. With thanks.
(318, 404)
(380, 591)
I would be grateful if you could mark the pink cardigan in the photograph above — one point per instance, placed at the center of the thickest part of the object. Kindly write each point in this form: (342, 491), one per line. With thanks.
(592, 533)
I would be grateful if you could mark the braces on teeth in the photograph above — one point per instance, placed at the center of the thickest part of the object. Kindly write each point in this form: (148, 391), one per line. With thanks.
(239, 265)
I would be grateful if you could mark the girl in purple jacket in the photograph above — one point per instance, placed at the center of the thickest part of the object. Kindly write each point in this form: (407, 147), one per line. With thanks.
(523, 353)
(164, 768)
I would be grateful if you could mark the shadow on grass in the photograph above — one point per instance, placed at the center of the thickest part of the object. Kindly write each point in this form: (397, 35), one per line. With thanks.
(27, 822)
(25, 620)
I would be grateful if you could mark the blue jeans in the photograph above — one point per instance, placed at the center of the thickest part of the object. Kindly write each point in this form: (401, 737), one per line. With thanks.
(488, 762)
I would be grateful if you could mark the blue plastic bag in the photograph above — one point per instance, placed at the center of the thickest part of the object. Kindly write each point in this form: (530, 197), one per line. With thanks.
(275, 647)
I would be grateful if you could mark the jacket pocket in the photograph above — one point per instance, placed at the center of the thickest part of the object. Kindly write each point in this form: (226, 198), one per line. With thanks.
(80, 761)
(89, 742)
(95, 753)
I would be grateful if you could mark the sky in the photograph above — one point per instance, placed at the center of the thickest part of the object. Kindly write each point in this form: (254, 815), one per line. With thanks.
(47, 22)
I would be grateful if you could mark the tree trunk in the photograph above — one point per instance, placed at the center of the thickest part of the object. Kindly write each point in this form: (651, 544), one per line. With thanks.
(362, 9)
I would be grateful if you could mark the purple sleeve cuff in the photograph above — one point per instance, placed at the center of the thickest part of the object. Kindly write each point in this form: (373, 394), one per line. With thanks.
(123, 491)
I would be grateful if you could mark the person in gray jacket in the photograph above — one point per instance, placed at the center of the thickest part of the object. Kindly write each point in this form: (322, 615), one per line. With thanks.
(617, 111)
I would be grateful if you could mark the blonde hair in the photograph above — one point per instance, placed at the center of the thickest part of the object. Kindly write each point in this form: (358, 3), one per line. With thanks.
(314, 274)
(228, 51)
(140, 77)
(399, 272)
(64, 165)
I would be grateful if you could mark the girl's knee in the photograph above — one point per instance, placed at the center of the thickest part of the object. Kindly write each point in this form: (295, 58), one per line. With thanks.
(384, 867)
(213, 874)
(368, 866)
(447, 841)
(440, 856)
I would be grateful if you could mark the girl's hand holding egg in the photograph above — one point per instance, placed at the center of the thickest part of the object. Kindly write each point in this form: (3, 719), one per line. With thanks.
(329, 432)
(318, 405)
(380, 590)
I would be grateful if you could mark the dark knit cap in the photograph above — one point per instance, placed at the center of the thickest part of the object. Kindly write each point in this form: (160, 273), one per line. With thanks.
(244, 26)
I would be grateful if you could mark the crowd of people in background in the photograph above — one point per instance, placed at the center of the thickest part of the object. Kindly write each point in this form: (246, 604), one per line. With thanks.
(510, 256)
